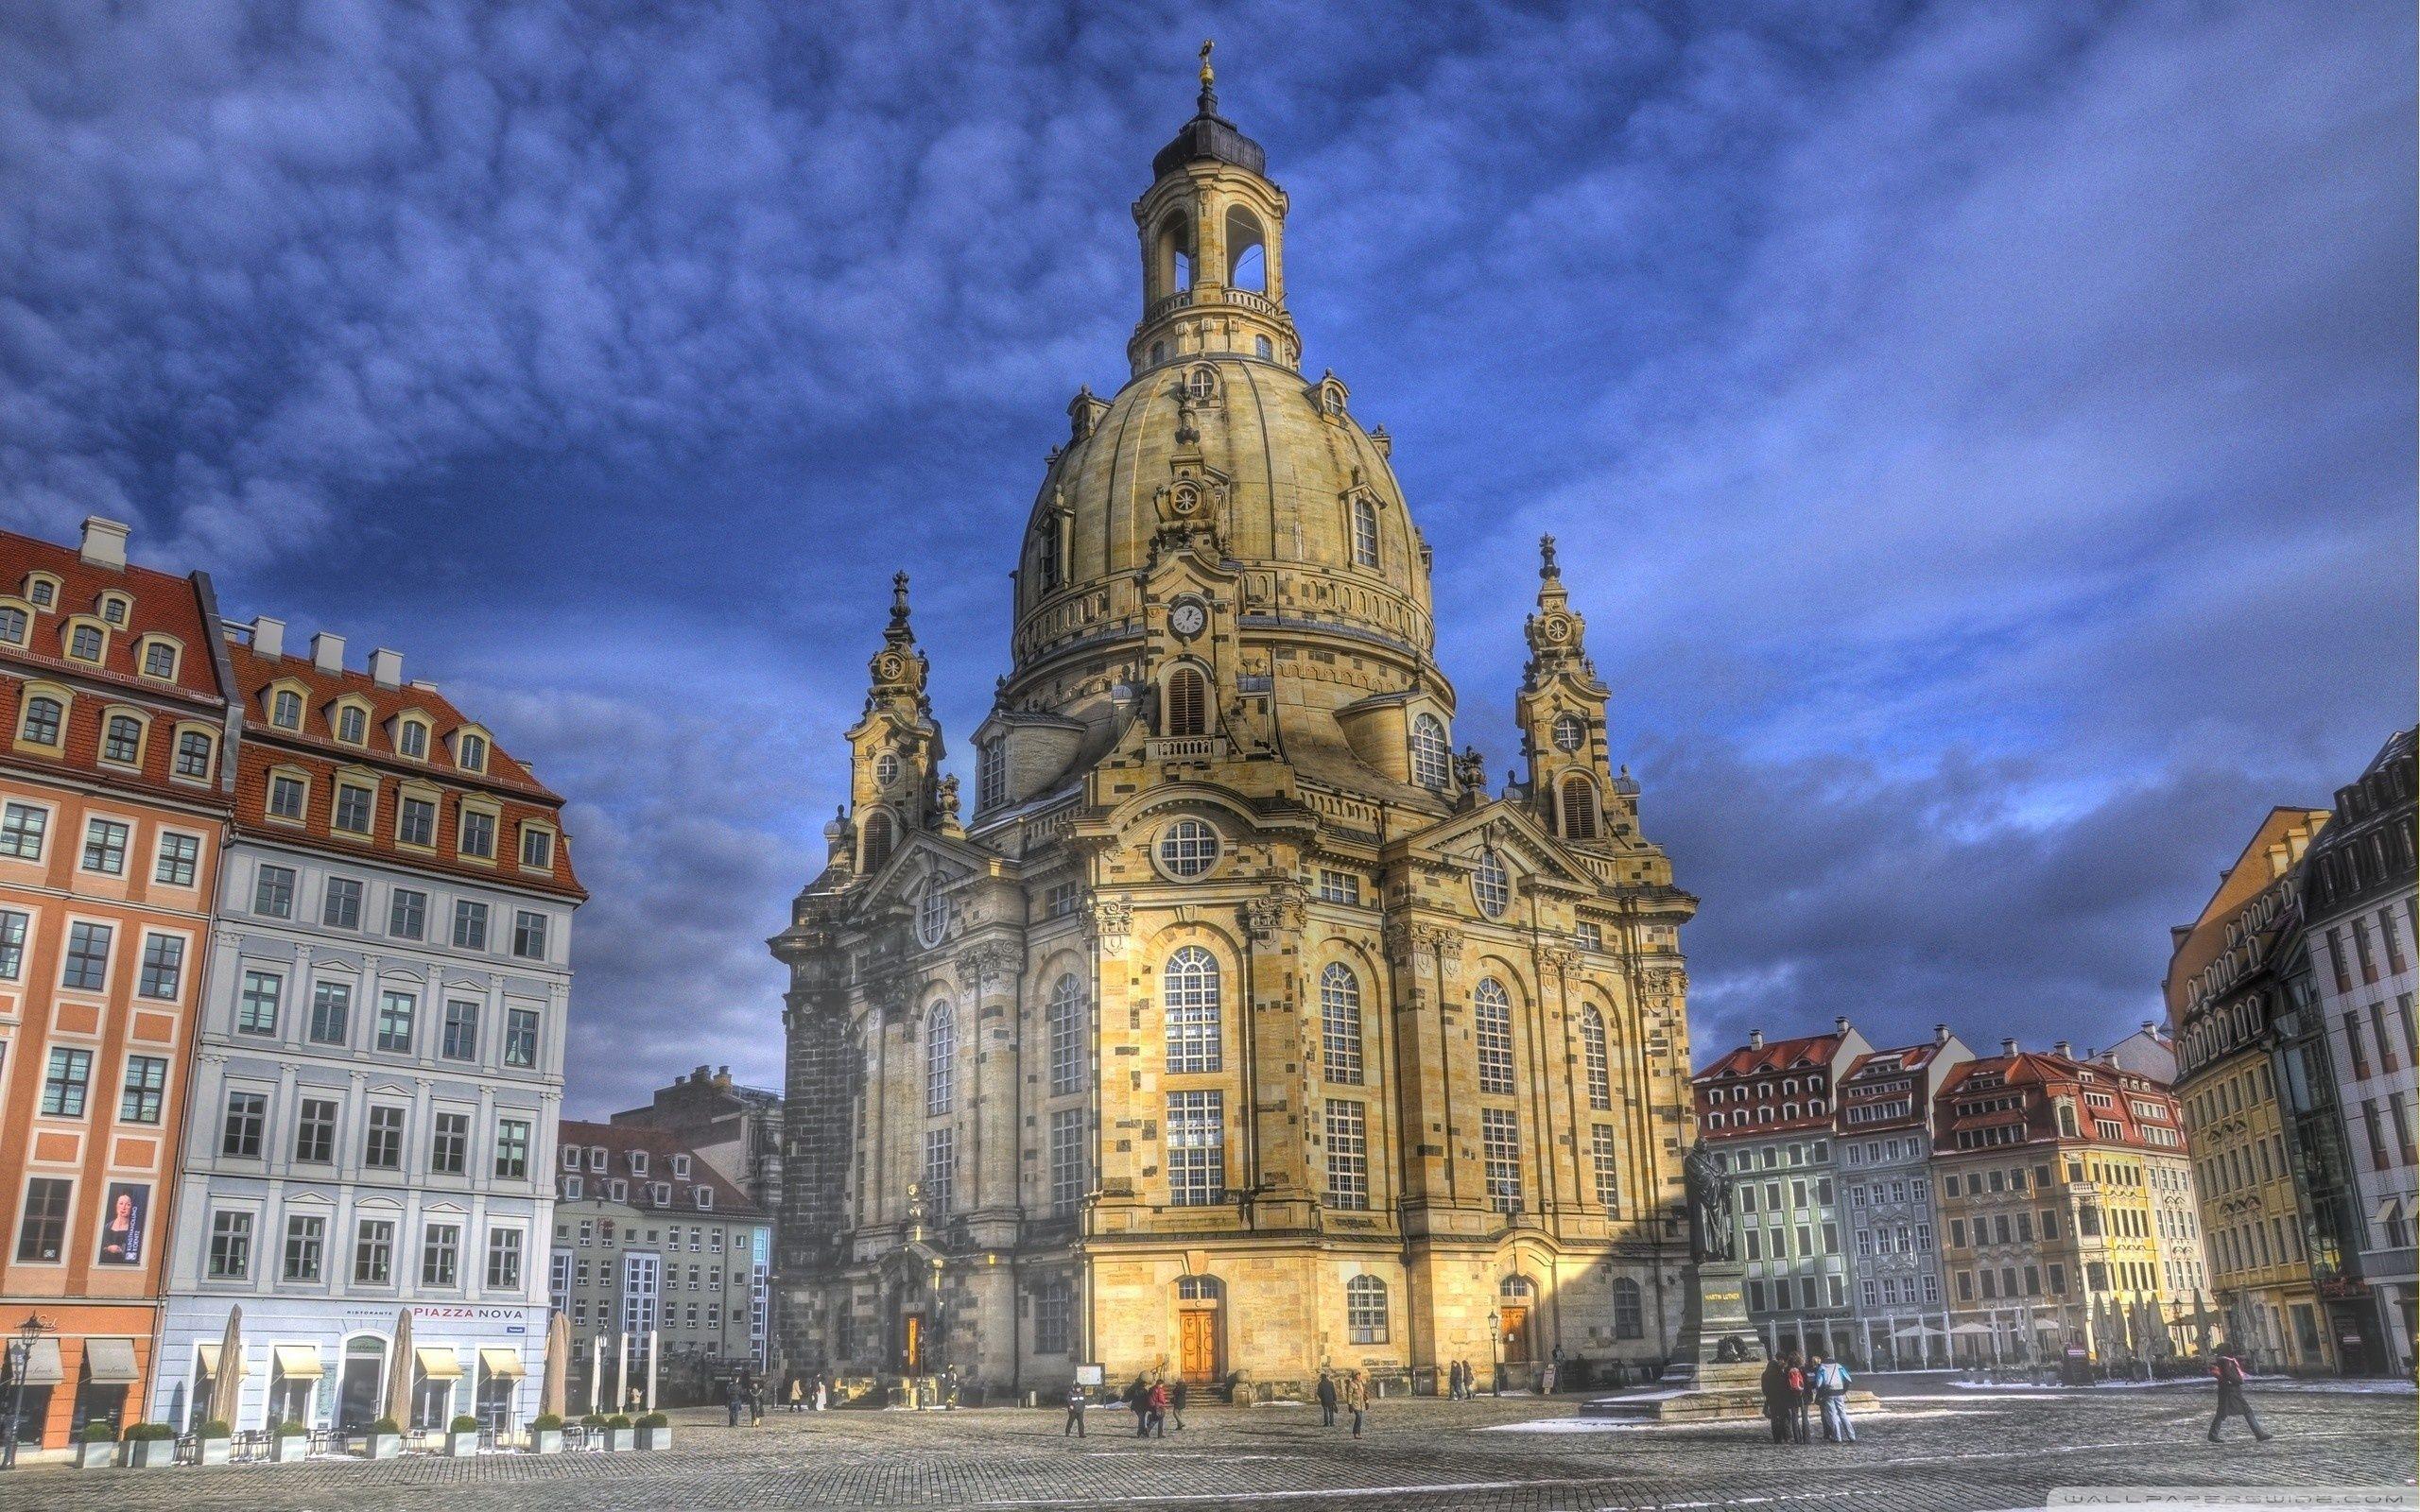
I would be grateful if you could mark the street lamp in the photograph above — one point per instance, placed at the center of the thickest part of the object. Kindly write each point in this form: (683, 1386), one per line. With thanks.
(1494, 1354)
(20, 1361)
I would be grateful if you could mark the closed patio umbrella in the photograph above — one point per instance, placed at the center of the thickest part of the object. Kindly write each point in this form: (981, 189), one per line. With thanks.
(227, 1385)
(399, 1372)
(551, 1394)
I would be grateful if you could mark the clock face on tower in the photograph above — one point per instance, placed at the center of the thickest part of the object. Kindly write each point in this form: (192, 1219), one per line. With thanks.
(1186, 617)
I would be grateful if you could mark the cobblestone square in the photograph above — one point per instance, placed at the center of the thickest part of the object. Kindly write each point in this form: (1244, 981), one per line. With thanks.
(1934, 1447)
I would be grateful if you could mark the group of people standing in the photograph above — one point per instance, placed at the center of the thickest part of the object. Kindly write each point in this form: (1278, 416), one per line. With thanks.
(1794, 1383)
(1350, 1390)
(1153, 1403)
(1460, 1382)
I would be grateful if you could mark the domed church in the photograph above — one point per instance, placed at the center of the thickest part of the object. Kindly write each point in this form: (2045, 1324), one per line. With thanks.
(1230, 1028)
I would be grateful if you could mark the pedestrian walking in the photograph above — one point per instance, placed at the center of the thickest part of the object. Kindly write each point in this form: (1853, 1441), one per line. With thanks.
(798, 1396)
(1469, 1381)
(1832, 1395)
(756, 1405)
(1453, 1381)
(1357, 1399)
(1775, 1385)
(1327, 1400)
(731, 1403)
(1799, 1389)
(1138, 1400)
(1159, 1405)
(1075, 1411)
(823, 1394)
(1547, 1379)
(1176, 1403)
(2230, 1373)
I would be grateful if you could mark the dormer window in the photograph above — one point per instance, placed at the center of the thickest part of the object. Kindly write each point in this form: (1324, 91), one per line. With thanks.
(571, 1157)
(1432, 759)
(661, 1192)
(12, 625)
(84, 643)
(597, 1158)
(411, 739)
(42, 592)
(638, 1163)
(680, 1167)
(705, 1197)
(991, 774)
(537, 848)
(285, 708)
(114, 607)
(160, 658)
(353, 724)
(471, 752)
(478, 837)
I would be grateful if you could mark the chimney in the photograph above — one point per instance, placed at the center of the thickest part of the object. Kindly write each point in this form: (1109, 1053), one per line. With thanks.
(2007, 1047)
(2151, 1028)
(1940, 1034)
(2066, 1049)
(327, 652)
(104, 542)
(268, 636)
(1755, 1039)
(386, 668)
(1840, 1026)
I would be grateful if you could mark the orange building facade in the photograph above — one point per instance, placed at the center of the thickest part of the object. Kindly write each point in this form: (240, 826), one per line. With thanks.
(114, 792)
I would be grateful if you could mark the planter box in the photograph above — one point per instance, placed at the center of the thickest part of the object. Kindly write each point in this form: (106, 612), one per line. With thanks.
(151, 1453)
(383, 1446)
(545, 1441)
(621, 1438)
(654, 1437)
(462, 1446)
(100, 1456)
(289, 1448)
(211, 1451)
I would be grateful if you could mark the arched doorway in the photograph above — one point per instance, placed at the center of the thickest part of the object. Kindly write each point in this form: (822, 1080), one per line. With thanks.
(1514, 1299)
(1200, 1331)
(358, 1382)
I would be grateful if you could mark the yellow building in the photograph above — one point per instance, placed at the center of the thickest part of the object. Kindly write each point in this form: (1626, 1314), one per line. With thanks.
(1236, 1030)
(2224, 1000)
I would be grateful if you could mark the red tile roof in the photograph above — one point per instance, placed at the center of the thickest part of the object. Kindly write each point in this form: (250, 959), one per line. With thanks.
(1774, 1055)
(661, 1145)
(162, 604)
(2035, 1079)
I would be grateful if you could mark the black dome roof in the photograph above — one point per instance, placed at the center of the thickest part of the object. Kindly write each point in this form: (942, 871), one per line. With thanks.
(1212, 136)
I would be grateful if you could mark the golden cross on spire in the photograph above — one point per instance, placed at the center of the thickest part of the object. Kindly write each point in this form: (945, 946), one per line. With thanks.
(1206, 46)
(1208, 99)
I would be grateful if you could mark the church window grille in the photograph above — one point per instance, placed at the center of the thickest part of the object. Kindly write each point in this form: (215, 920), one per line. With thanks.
(940, 1060)
(1197, 1150)
(1200, 384)
(1189, 703)
(1365, 533)
(1432, 759)
(1341, 1024)
(941, 1169)
(1579, 809)
(1605, 1166)
(1067, 1162)
(1491, 886)
(886, 768)
(1569, 734)
(992, 775)
(1629, 1321)
(1348, 1153)
(1197, 1289)
(1190, 991)
(1599, 1064)
(1188, 847)
(932, 915)
(1261, 348)
(1495, 1026)
(1066, 1017)
(1500, 1142)
(1365, 1310)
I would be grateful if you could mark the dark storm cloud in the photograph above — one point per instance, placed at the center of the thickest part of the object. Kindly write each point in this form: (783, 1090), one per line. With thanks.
(1980, 434)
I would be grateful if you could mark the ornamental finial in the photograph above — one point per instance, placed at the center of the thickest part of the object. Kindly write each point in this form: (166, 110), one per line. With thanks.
(1209, 98)
(899, 598)
(1547, 567)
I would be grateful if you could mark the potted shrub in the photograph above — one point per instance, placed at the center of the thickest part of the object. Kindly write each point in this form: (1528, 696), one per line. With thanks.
(655, 1431)
(290, 1440)
(95, 1447)
(547, 1433)
(149, 1446)
(211, 1440)
(462, 1437)
(385, 1439)
(618, 1434)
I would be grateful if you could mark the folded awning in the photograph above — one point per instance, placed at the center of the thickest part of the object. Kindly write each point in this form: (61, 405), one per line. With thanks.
(297, 1362)
(2391, 1209)
(42, 1364)
(111, 1361)
(439, 1364)
(504, 1365)
(208, 1356)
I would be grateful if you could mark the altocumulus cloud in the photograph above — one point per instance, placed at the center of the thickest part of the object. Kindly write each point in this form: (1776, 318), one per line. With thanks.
(1979, 433)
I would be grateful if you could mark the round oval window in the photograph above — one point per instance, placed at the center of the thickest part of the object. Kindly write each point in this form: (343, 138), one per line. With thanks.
(932, 915)
(1188, 847)
(1491, 886)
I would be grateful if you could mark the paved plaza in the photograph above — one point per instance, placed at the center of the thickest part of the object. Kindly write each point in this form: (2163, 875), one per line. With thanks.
(1932, 1447)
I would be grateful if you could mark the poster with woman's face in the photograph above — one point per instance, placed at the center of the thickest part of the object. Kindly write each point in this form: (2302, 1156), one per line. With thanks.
(123, 1217)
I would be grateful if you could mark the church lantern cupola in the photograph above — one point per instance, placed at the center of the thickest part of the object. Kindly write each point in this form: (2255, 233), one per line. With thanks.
(1560, 708)
(1213, 228)
(895, 748)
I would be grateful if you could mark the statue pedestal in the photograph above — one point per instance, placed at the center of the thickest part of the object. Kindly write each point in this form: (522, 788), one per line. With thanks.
(1718, 1372)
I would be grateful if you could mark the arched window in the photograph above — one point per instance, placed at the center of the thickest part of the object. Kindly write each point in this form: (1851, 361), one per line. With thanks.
(932, 913)
(1198, 1289)
(1514, 1289)
(1489, 885)
(1495, 1025)
(1189, 1000)
(1187, 709)
(1365, 1310)
(1066, 1027)
(43, 718)
(1432, 759)
(1592, 1055)
(1578, 808)
(1365, 531)
(992, 774)
(122, 740)
(879, 837)
(1188, 847)
(1247, 253)
(1629, 1320)
(1176, 253)
(1341, 1024)
(940, 1060)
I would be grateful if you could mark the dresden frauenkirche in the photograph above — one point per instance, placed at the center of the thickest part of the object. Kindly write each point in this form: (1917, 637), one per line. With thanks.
(1232, 1031)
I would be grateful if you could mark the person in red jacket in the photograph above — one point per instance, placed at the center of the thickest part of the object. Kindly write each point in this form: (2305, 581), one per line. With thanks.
(2230, 1373)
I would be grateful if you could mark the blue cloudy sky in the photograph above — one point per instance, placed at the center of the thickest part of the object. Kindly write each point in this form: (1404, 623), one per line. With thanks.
(1982, 433)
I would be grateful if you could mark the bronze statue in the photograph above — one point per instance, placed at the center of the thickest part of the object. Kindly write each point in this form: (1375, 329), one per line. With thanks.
(1709, 1187)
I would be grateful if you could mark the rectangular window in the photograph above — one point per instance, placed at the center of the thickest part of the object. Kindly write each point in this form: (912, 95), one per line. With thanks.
(537, 848)
(521, 1036)
(12, 944)
(285, 798)
(331, 1012)
(1339, 887)
(941, 1169)
(384, 1150)
(449, 1148)
(145, 1086)
(273, 892)
(478, 833)
(441, 1248)
(1500, 1142)
(504, 1260)
(105, 846)
(1605, 1165)
(512, 1149)
(342, 908)
(315, 1131)
(241, 1131)
(306, 1240)
(1196, 1148)
(396, 1010)
(193, 754)
(256, 1005)
(21, 828)
(41, 1232)
(179, 860)
(231, 1245)
(66, 1081)
(416, 822)
(163, 967)
(1348, 1153)
(87, 967)
(373, 1252)
(356, 806)
(1067, 1162)
(407, 914)
(528, 934)
(1495, 1031)
(470, 925)
(462, 1042)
